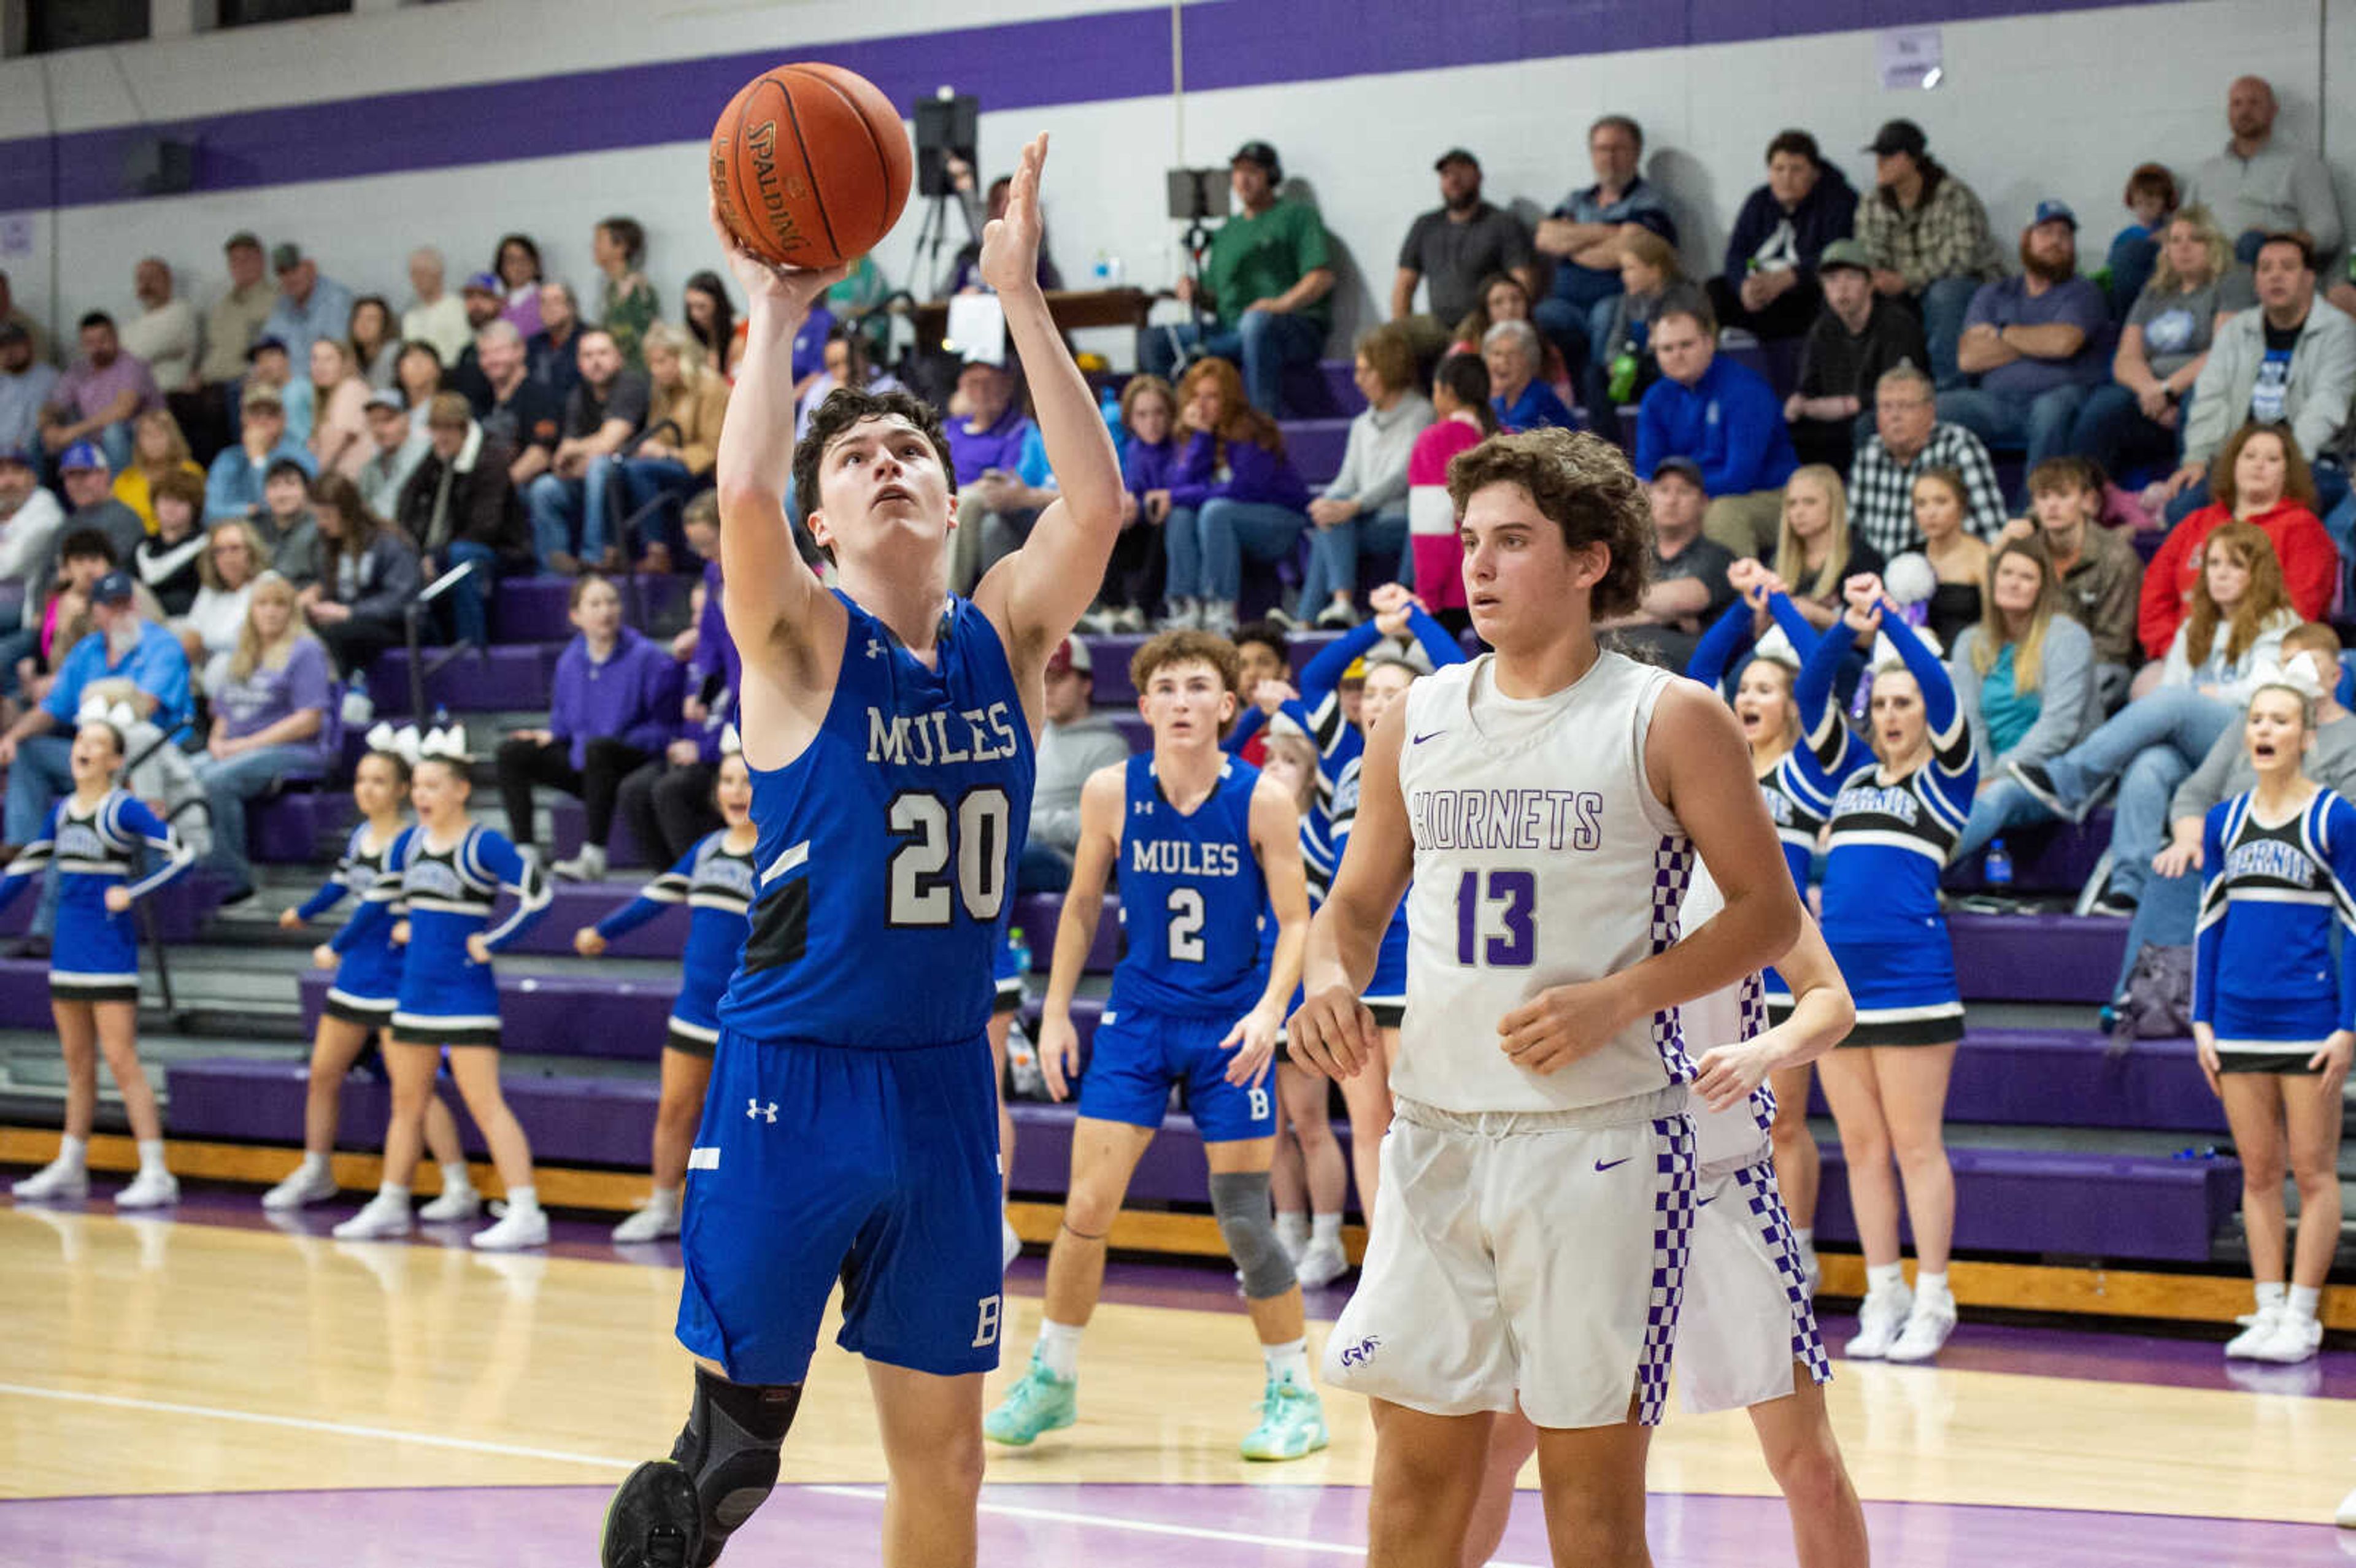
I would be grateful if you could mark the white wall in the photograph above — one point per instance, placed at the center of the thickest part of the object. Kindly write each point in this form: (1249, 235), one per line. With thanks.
(2030, 106)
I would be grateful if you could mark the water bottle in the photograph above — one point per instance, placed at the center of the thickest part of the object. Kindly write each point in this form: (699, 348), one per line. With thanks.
(1022, 946)
(1109, 405)
(1023, 1064)
(359, 707)
(1623, 385)
(1107, 271)
(1996, 864)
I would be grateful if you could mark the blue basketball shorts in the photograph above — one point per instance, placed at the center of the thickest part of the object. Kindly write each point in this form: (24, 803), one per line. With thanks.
(819, 1163)
(1136, 1055)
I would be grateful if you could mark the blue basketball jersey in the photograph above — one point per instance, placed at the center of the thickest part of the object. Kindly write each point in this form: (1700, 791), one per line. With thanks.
(887, 848)
(1191, 894)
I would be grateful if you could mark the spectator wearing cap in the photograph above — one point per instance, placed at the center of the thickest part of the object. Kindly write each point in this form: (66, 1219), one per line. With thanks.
(126, 657)
(1075, 743)
(2290, 359)
(629, 306)
(462, 510)
(987, 429)
(1927, 236)
(164, 334)
(1584, 236)
(1450, 250)
(2258, 186)
(233, 484)
(10, 316)
(481, 300)
(2196, 288)
(2033, 345)
(435, 315)
(30, 519)
(89, 483)
(1724, 418)
(99, 394)
(1687, 588)
(573, 517)
(270, 366)
(1513, 355)
(522, 414)
(26, 385)
(308, 305)
(554, 353)
(1769, 284)
(1858, 336)
(1364, 511)
(1264, 287)
(1909, 440)
(396, 447)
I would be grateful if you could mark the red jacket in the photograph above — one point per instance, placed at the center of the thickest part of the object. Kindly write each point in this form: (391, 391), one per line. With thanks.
(2311, 568)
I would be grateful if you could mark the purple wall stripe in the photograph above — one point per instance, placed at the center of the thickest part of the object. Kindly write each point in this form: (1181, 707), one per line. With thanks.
(1105, 56)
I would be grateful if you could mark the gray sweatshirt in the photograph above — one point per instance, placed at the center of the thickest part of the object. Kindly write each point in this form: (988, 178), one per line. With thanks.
(1068, 753)
(2069, 706)
(2225, 772)
(1373, 464)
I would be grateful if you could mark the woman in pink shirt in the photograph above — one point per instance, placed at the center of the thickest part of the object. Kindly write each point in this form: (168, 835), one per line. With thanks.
(1460, 396)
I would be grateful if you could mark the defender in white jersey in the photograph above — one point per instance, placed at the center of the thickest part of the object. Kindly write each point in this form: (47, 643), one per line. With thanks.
(1536, 1202)
(1747, 1336)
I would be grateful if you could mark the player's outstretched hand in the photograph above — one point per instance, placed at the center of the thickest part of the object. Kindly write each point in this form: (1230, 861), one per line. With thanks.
(1253, 1039)
(796, 288)
(1059, 1055)
(1010, 244)
(1333, 1033)
(1563, 1024)
(478, 948)
(587, 942)
(1729, 1074)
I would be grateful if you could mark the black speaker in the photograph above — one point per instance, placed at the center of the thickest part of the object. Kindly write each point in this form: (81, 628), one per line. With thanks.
(946, 126)
(159, 166)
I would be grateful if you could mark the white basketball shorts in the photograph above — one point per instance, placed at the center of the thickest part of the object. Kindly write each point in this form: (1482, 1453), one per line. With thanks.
(1746, 1317)
(1529, 1258)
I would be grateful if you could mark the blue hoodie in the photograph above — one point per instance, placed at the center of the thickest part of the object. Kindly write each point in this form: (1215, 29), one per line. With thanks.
(1728, 422)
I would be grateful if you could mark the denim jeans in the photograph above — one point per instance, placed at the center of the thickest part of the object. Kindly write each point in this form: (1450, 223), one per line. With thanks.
(571, 515)
(467, 602)
(1578, 327)
(2166, 913)
(2174, 716)
(2040, 424)
(14, 646)
(1207, 547)
(1333, 556)
(1997, 810)
(1261, 344)
(1944, 303)
(43, 771)
(644, 478)
(2139, 815)
(2112, 430)
(228, 786)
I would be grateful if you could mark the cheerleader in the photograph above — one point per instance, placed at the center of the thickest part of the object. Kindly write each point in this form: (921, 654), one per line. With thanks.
(1894, 810)
(1309, 1179)
(1791, 785)
(2272, 1013)
(1003, 1008)
(715, 880)
(360, 1002)
(93, 837)
(449, 870)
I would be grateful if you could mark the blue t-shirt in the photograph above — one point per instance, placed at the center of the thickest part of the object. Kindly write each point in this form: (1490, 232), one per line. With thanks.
(2273, 385)
(2076, 302)
(2010, 713)
(157, 666)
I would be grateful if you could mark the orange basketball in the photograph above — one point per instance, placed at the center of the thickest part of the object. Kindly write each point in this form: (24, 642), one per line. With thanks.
(810, 165)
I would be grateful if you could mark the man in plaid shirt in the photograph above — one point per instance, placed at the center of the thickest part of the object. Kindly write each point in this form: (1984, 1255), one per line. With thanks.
(1908, 441)
(1927, 237)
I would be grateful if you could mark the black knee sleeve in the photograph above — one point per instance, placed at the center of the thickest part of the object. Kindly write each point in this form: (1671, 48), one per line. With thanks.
(730, 1449)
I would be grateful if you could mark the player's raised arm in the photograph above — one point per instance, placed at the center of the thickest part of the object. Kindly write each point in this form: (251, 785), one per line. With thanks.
(1037, 593)
(1276, 841)
(1075, 929)
(1334, 1032)
(767, 589)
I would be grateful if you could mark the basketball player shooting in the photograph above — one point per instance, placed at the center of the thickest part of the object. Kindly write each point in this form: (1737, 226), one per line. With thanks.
(851, 1130)
(1531, 1224)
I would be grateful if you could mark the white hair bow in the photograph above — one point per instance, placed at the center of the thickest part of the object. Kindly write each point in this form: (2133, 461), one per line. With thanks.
(731, 743)
(412, 746)
(98, 711)
(2300, 673)
(448, 742)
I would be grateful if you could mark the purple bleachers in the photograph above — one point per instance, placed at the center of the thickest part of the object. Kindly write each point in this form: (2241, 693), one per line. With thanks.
(561, 1015)
(576, 904)
(1315, 448)
(2067, 1078)
(300, 828)
(534, 609)
(500, 679)
(2053, 858)
(1112, 651)
(2037, 957)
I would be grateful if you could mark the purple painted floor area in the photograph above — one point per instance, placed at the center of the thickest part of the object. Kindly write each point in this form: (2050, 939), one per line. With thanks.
(1144, 1526)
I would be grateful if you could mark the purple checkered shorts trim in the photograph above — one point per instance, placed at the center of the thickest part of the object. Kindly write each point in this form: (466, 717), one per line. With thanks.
(1671, 875)
(1673, 1222)
(1766, 1201)
(1754, 1024)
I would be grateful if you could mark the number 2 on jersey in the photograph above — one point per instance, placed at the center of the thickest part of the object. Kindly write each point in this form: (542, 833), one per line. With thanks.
(920, 891)
(1186, 926)
(1517, 948)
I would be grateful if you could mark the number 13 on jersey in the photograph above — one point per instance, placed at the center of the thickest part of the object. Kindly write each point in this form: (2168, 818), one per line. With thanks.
(1496, 923)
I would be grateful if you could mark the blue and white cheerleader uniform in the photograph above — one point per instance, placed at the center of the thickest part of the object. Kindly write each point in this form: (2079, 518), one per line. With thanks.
(1890, 840)
(95, 952)
(717, 886)
(369, 977)
(446, 997)
(2262, 975)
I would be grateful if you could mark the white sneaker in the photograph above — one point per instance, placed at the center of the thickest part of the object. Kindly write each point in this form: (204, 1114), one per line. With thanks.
(651, 1223)
(1181, 615)
(1879, 1320)
(1009, 1245)
(1219, 617)
(2257, 1329)
(149, 1189)
(588, 865)
(384, 1218)
(2297, 1338)
(55, 1182)
(521, 1227)
(1932, 1319)
(1322, 1262)
(455, 1204)
(303, 1186)
(1130, 618)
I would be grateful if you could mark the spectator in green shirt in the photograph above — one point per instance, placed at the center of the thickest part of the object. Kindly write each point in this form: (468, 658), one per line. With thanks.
(1263, 292)
(620, 249)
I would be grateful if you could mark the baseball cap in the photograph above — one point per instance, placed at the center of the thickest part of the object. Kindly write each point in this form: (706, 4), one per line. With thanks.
(1843, 253)
(114, 588)
(254, 351)
(1685, 468)
(2053, 209)
(1263, 155)
(82, 456)
(262, 397)
(243, 237)
(482, 283)
(22, 456)
(1899, 136)
(386, 398)
(279, 465)
(1456, 156)
(285, 255)
(13, 332)
(1071, 654)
